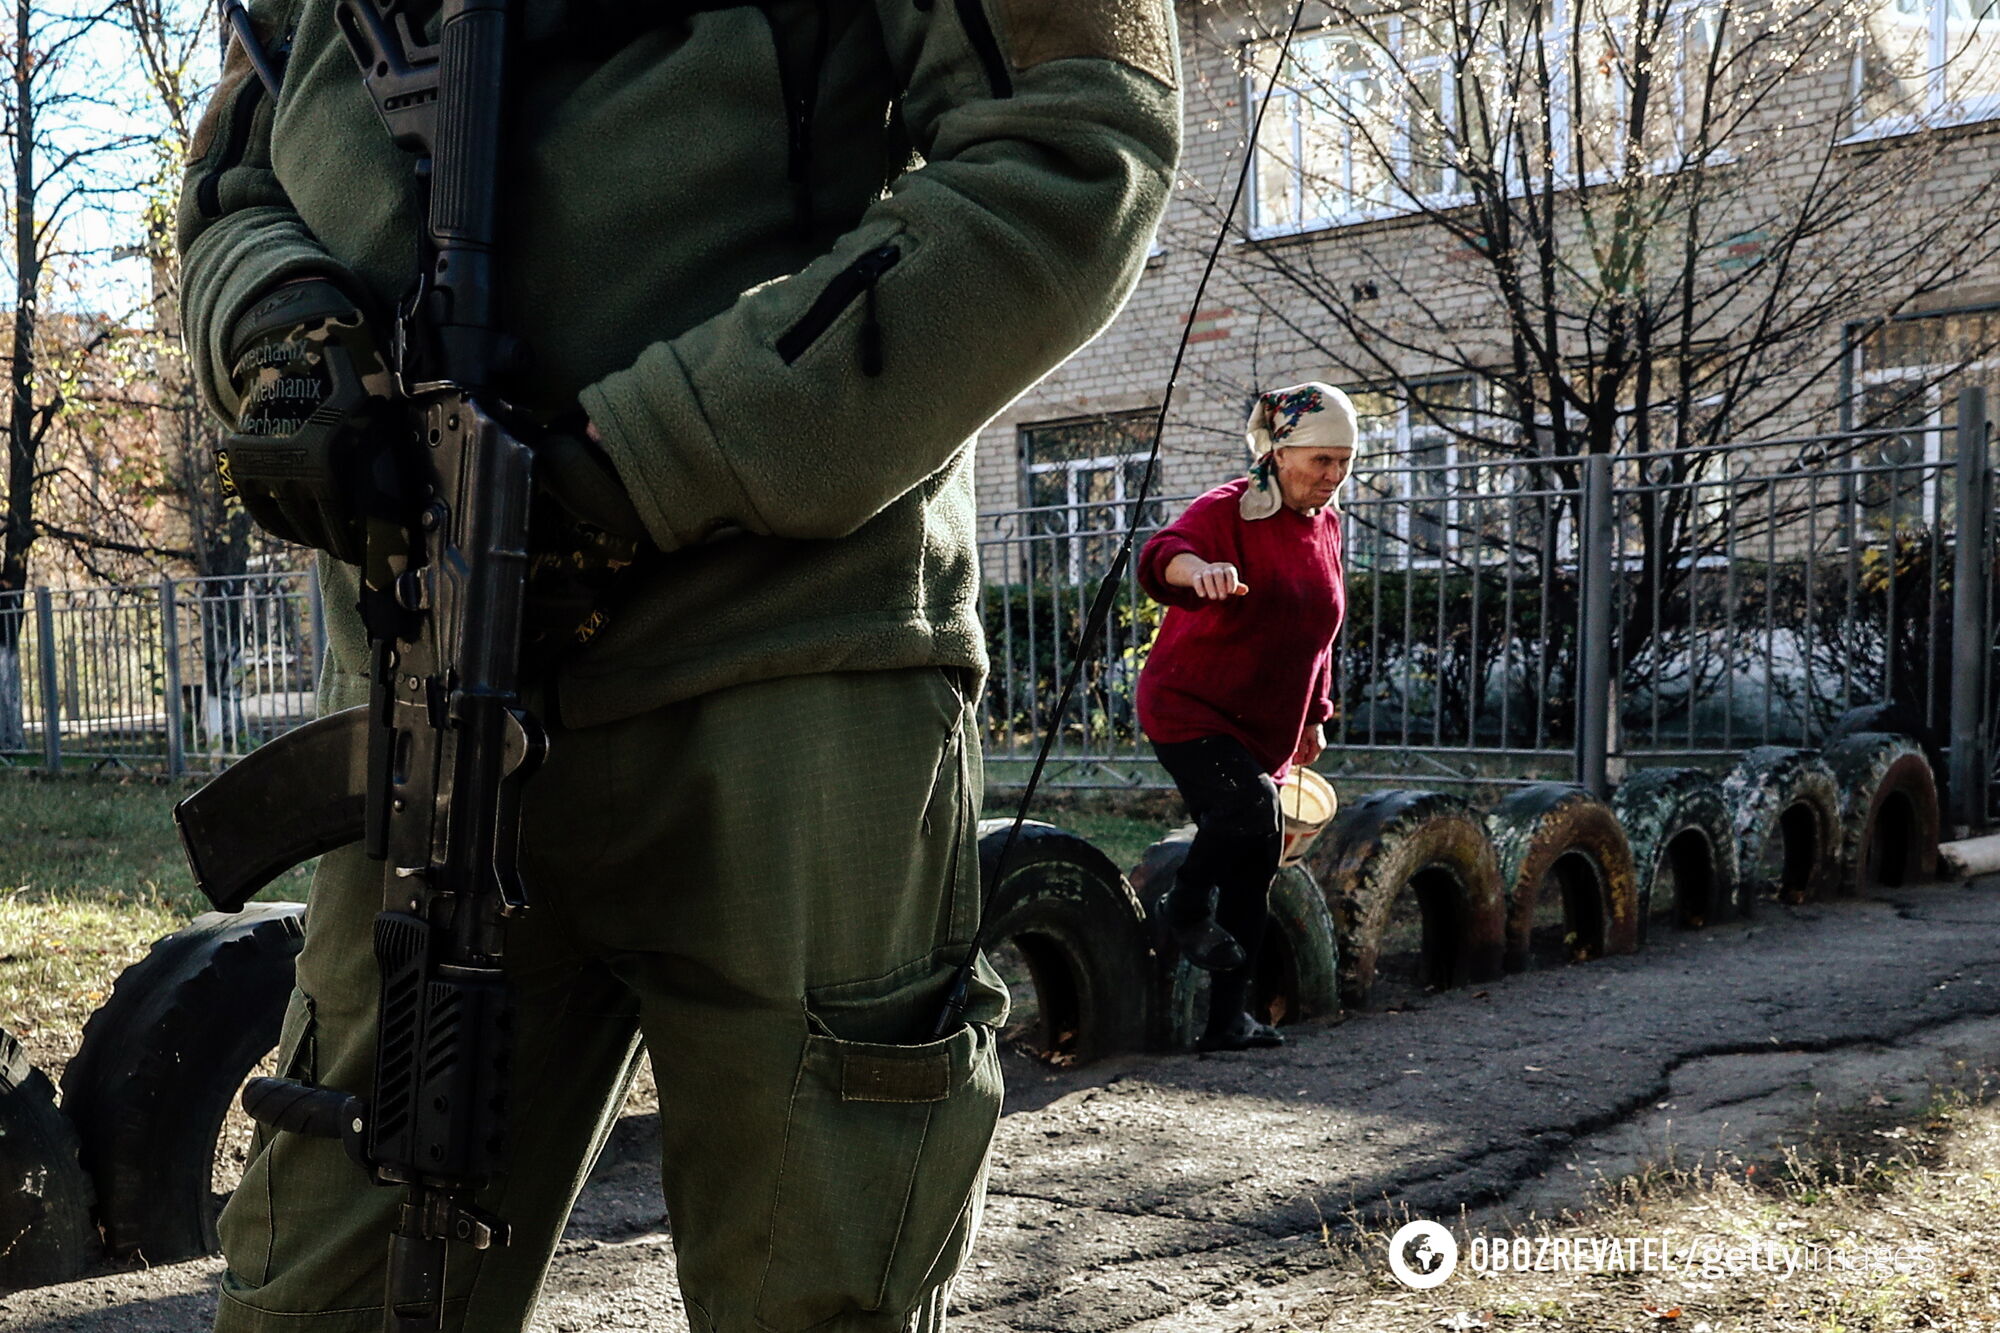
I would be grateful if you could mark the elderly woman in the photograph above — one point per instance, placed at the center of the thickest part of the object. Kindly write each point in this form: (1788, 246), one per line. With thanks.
(1239, 679)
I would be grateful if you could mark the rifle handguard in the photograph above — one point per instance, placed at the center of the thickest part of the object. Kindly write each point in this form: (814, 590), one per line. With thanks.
(321, 1113)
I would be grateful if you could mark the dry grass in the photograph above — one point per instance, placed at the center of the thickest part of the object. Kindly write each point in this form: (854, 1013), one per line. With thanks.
(58, 959)
(91, 874)
(1895, 1223)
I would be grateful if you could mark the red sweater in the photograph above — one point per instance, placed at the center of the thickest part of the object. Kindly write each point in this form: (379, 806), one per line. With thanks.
(1257, 667)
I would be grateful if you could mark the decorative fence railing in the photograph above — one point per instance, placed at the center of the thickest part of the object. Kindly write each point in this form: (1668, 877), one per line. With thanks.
(1509, 619)
(1513, 619)
(177, 677)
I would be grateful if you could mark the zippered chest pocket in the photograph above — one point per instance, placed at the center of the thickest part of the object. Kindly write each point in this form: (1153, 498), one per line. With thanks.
(856, 282)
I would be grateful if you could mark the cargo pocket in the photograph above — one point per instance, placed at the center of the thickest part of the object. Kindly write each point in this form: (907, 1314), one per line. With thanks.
(885, 1156)
(248, 1223)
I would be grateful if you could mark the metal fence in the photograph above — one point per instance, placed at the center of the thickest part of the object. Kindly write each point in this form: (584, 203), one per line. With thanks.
(1516, 619)
(177, 677)
(1509, 619)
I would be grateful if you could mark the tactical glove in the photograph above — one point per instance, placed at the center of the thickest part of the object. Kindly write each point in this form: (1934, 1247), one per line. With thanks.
(583, 535)
(579, 477)
(311, 455)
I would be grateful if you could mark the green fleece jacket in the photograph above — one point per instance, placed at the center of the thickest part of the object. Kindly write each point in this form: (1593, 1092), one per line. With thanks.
(716, 228)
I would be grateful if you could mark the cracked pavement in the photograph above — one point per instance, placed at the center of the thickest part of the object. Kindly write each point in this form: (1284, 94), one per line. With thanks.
(1188, 1193)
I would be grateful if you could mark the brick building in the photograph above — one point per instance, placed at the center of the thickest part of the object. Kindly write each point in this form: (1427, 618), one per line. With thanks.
(1919, 86)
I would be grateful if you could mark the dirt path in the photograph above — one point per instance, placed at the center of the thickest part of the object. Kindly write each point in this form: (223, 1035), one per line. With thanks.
(1187, 1193)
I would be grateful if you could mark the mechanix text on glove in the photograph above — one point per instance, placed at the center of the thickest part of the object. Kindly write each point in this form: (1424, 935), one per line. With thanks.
(312, 455)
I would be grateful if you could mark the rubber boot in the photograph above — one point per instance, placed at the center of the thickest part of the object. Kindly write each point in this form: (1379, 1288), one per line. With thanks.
(1239, 1033)
(1191, 920)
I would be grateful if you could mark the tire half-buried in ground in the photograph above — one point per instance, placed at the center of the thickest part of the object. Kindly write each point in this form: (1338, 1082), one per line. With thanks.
(1683, 845)
(1566, 871)
(1395, 847)
(1888, 811)
(1064, 922)
(1297, 971)
(162, 1061)
(1785, 808)
(46, 1233)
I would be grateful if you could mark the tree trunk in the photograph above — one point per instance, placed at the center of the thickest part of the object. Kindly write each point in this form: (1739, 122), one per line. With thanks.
(20, 535)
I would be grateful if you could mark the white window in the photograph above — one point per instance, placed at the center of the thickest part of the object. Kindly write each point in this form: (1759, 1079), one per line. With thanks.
(1437, 479)
(1386, 118)
(1079, 480)
(1926, 62)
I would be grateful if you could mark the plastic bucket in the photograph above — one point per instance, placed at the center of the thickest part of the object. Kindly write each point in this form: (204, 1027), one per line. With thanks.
(1307, 802)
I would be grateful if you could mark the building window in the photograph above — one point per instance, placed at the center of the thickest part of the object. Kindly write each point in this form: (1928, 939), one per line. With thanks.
(1927, 62)
(1391, 117)
(1078, 480)
(1437, 478)
(1906, 378)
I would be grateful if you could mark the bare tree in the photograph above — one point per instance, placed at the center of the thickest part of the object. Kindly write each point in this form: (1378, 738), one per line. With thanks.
(1567, 227)
(62, 161)
(1634, 222)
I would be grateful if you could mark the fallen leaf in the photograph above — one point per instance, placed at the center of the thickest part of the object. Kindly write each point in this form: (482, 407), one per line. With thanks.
(1671, 1312)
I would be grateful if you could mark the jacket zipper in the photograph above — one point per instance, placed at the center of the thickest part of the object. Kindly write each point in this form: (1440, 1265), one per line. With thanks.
(800, 94)
(851, 284)
(972, 17)
(208, 195)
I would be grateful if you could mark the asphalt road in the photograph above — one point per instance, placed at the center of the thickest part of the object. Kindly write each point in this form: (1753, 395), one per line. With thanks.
(1187, 1193)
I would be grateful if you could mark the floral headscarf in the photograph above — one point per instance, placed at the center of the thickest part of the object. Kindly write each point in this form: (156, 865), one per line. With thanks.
(1305, 416)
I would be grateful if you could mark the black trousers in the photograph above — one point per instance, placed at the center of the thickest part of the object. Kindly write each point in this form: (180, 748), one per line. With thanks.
(1237, 842)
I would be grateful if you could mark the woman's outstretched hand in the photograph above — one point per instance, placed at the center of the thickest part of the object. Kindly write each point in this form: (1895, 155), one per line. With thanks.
(1214, 580)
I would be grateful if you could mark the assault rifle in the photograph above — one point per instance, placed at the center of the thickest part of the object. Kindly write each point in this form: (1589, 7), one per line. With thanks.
(429, 773)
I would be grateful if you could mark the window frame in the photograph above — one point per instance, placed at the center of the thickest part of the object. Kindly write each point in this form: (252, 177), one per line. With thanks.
(1073, 537)
(1411, 429)
(1937, 111)
(1556, 37)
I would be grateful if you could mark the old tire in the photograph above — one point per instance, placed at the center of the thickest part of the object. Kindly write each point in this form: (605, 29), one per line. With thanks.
(1430, 845)
(160, 1067)
(1066, 913)
(1297, 970)
(1897, 719)
(1677, 822)
(1888, 812)
(1785, 807)
(46, 1233)
(1552, 837)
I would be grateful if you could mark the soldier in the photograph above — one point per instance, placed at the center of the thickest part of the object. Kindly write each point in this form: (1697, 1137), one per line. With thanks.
(773, 264)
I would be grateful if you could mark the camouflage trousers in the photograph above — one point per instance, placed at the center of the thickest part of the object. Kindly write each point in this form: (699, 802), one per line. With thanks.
(771, 885)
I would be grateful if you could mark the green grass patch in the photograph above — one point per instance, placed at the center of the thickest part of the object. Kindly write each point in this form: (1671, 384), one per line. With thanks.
(76, 837)
(1120, 837)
